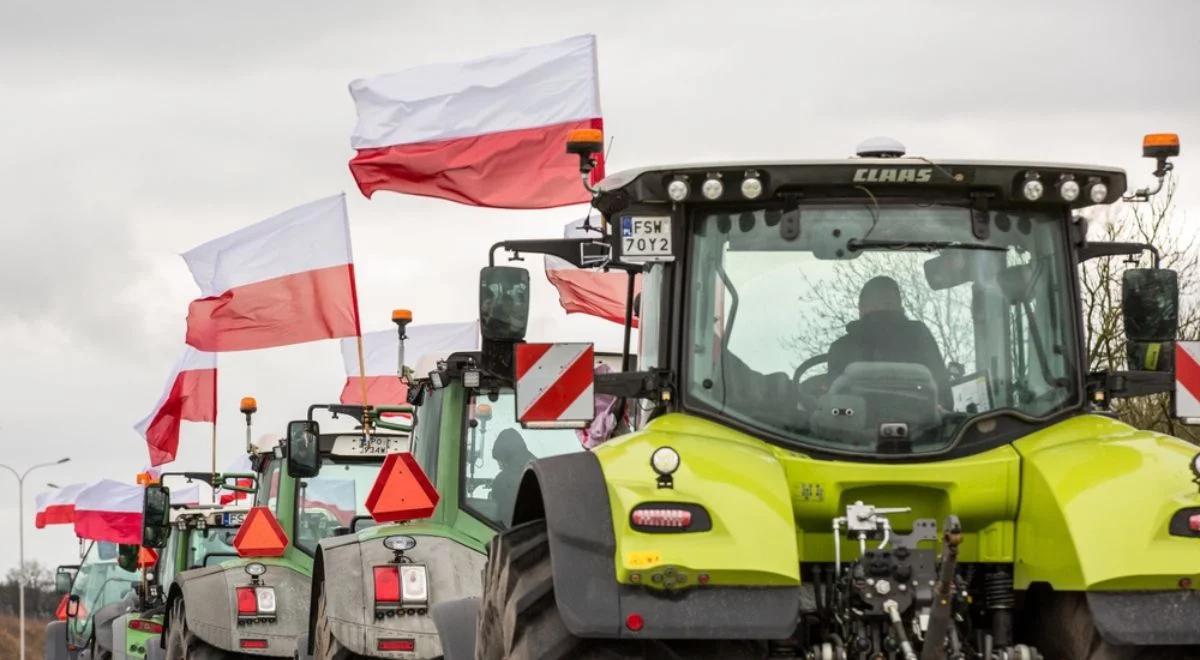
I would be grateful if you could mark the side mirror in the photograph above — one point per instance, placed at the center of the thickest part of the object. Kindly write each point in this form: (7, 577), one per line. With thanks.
(503, 303)
(64, 576)
(240, 483)
(303, 453)
(72, 606)
(1150, 309)
(156, 516)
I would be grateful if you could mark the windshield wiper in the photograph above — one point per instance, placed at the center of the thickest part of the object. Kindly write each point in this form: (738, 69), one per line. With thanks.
(857, 245)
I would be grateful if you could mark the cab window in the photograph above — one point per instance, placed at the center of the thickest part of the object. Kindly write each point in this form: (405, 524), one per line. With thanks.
(268, 486)
(211, 546)
(332, 499)
(497, 450)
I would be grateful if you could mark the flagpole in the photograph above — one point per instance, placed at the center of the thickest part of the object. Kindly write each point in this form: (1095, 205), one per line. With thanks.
(214, 461)
(362, 370)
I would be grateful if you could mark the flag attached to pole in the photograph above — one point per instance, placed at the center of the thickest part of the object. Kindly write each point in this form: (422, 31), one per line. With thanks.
(109, 510)
(382, 353)
(587, 290)
(57, 507)
(286, 280)
(490, 132)
(190, 394)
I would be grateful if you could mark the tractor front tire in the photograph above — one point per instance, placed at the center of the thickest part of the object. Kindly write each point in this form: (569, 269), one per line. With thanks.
(519, 618)
(183, 644)
(325, 645)
(1064, 629)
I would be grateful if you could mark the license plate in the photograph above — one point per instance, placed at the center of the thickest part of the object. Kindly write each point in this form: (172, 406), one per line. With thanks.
(376, 445)
(646, 239)
(232, 519)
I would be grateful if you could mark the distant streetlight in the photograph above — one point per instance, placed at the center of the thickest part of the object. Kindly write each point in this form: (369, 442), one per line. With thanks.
(21, 537)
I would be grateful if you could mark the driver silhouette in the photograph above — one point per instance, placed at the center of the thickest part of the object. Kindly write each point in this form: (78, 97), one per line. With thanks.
(883, 333)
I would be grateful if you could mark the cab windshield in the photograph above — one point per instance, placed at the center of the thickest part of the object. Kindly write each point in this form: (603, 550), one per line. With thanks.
(879, 328)
(333, 499)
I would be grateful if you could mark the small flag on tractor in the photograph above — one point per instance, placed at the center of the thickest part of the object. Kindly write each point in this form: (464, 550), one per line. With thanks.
(57, 507)
(554, 385)
(286, 280)
(110, 510)
(490, 132)
(401, 491)
(382, 351)
(590, 291)
(190, 394)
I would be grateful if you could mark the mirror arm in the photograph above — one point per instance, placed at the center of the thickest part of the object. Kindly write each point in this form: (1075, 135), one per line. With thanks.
(1129, 384)
(1114, 248)
(579, 252)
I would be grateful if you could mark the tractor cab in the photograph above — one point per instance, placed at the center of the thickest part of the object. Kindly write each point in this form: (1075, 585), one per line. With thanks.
(864, 421)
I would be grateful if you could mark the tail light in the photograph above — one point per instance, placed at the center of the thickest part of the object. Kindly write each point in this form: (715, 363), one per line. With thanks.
(659, 517)
(401, 589)
(662, 518)
(145, 626)
(253, 643)
(397, 645)
(387, 585)
(1186, 522)
(255, 603)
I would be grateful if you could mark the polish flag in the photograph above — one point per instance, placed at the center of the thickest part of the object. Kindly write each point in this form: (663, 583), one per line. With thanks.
(240, 465)
(588, 290)
(186, 495)
(109, 510)
(286, 280)
(381, 350)
(57, 507)
(489, 132)
(190, 394)
(334, 496)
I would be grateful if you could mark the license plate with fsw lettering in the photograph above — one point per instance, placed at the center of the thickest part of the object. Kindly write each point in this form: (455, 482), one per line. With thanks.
(646, 238)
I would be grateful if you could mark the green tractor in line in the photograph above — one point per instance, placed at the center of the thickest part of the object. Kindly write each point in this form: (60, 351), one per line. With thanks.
(864, 426)
(197, 535)
(473, 449)
(97, 590)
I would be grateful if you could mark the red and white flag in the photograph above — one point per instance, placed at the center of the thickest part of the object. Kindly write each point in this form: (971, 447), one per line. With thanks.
(489, 132)
(381, 350)
(590, 291)
(109, 510)
(190, 394)
(57, 507)
(285, 280)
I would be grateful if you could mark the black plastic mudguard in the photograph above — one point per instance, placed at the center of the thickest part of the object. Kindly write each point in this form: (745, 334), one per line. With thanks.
(1146, 618)
(571, 493)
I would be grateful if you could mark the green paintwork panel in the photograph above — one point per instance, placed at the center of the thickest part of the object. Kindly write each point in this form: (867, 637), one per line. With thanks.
(735, 477)
(982, 490)
(1082, 505)
(448, 519)
(1096, 502)
(136, 639)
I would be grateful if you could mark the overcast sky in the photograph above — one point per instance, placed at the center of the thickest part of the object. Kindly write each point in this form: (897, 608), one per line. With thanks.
(132, 131)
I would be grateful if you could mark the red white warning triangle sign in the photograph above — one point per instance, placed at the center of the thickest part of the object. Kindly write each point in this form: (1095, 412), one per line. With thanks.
(401, 491)
(147, 557)
(260, 535)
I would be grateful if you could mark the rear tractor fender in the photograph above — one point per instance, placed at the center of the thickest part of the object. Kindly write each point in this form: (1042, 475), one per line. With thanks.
(745, 550)
(210, 606)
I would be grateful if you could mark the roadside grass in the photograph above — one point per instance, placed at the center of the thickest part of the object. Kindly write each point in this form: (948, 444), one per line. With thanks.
(10, 642)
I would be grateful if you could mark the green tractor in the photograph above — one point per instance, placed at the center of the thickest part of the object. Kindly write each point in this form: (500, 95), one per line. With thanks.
(255, 601)
(98, 589)
(862, 426)
(195, 536)
(468, 442)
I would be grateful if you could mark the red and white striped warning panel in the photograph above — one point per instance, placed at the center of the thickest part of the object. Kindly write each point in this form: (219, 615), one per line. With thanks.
(1187, 379)
(554, 384)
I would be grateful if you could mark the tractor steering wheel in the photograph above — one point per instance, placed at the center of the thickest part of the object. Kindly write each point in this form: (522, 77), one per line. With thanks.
(811, 389)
